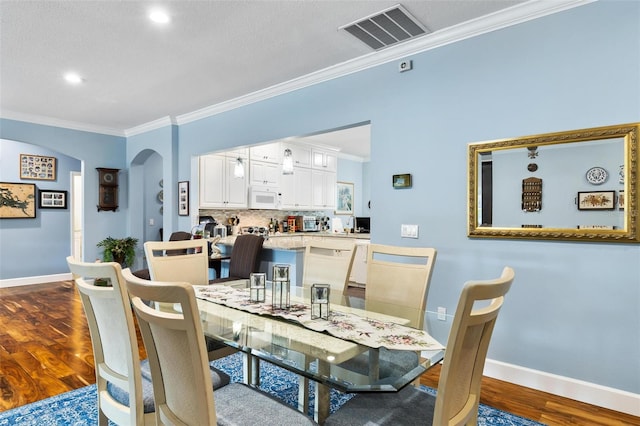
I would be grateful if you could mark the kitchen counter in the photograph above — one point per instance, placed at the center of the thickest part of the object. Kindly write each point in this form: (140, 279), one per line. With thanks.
(298, 240)
(288, 249)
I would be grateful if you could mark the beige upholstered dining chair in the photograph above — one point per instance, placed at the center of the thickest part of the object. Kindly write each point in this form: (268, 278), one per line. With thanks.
(124, 396)
(178, 362)
(328, 262)
(458, 394)
(183, 261)
(398, 281)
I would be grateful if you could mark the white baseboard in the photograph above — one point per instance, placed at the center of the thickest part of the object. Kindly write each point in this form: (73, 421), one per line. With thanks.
(14, 282)
(590, 393)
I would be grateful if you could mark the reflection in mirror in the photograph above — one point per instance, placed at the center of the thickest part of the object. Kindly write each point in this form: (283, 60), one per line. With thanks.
(567, 185)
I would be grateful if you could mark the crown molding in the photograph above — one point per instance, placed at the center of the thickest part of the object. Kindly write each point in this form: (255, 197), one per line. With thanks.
(48, 121)
(514, 15)
(152, 125)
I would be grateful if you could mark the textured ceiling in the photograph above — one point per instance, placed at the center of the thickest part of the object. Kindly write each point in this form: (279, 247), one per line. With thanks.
(136, 72)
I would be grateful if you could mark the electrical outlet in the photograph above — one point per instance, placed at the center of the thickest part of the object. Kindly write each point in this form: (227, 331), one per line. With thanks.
(442, 313)
(152, 222)
(409, 231)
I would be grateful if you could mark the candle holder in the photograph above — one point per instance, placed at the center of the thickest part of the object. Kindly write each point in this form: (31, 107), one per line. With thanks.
(280, 287)
(320, 301)
(257, 286)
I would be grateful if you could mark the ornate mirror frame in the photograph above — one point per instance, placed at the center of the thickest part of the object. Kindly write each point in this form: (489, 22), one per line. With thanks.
(628, 133)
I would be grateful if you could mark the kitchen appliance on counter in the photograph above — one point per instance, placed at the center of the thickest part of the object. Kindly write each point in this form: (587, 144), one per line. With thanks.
(362, 225)
(307, 224)
(324, 223)
(257, 230)
(209, 225)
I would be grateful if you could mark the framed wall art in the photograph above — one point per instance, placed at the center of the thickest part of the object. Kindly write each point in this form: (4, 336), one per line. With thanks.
(402, 181)
(183, 198)
(17, 200)
(344, 202)
(37, 167)
(621, 199)
(52, 199)
(596, 200)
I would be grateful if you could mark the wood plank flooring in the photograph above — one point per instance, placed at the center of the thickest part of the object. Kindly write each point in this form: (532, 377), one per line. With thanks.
(45, 350)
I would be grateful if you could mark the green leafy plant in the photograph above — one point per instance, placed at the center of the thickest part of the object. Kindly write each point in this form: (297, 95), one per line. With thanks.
(121, 250)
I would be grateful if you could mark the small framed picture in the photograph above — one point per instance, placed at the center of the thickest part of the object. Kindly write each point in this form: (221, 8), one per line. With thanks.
(37, 167)
(402, 181)
(183, 198)
(52, 199)
(621, 199)
(344, 202)
(596, 200)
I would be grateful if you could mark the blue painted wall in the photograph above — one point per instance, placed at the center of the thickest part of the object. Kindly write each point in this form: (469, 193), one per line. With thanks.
(20, 256)
(574, 309)
(31, 242)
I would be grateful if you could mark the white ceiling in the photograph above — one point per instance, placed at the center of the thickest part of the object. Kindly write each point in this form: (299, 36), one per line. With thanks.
(212, 52)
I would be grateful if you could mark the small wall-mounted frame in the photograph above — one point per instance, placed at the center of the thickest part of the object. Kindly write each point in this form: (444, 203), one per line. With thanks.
(621, 199)
(402, 181)
(17, 200)
(345, 197)
(37, 167)
(596, 200)
(52, 199)
(183, 198)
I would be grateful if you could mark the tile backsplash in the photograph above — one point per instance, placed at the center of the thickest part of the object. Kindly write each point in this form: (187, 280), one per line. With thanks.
(258, 217)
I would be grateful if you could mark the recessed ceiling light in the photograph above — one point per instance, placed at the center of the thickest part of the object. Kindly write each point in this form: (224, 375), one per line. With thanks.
(159, 16)
(73, 78)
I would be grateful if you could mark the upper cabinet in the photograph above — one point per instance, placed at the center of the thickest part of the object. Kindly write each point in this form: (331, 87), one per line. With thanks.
(264, 174)
(324, 160)
(301, 154)
(269, 153)
(312, 186)
(219, 188)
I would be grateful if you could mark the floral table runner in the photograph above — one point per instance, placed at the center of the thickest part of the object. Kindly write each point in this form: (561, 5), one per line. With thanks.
(370, 332)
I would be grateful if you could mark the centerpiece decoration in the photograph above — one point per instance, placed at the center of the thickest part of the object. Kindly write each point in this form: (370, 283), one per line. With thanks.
(280, 287)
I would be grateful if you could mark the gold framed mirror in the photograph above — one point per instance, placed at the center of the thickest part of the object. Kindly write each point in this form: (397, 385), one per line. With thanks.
(578, 185)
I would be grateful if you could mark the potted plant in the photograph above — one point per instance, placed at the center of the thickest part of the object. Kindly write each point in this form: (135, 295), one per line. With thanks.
(121, 250)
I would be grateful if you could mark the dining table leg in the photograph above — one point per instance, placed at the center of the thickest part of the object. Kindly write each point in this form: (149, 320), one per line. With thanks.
(250, 369)
(321, 406)
(303, 388)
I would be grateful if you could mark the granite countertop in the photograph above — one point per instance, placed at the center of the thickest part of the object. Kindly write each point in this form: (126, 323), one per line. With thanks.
(295, 241)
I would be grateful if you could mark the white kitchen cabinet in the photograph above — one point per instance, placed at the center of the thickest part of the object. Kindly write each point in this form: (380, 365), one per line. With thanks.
(301, 154)
(269, 153)
(296, 190)
(219, 188)
(264, 174)
(324, 160)
(323, 190)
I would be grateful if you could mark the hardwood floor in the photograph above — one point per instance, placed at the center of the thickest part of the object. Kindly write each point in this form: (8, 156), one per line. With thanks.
(45, 350)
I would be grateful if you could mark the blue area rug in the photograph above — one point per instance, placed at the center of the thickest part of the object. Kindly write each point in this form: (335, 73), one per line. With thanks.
(78, 407)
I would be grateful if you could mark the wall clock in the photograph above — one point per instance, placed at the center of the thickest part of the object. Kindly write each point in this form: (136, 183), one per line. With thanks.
(597, 175)
(107, 189)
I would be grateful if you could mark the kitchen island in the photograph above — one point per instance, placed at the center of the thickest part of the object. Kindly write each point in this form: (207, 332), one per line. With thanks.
(289, 249)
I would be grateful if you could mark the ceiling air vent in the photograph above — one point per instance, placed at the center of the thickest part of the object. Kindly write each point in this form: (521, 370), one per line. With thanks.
(386, 28)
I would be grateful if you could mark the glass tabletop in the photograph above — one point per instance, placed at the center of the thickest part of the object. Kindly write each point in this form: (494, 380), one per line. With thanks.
(340, 363)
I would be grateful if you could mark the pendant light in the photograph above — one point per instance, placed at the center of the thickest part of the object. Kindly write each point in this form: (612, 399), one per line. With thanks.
(287, 162)
(238, 170)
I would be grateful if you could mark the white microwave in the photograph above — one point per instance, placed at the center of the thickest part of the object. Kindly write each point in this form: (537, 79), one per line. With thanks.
(264, 197)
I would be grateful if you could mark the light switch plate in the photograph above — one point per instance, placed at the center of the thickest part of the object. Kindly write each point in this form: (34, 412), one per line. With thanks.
(442, 313)
(409, 231)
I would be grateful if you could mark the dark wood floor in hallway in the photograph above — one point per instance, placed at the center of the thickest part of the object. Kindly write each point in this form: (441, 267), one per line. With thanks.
(45, 350)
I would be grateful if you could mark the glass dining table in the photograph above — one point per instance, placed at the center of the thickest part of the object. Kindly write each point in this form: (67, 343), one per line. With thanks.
(354, 350)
